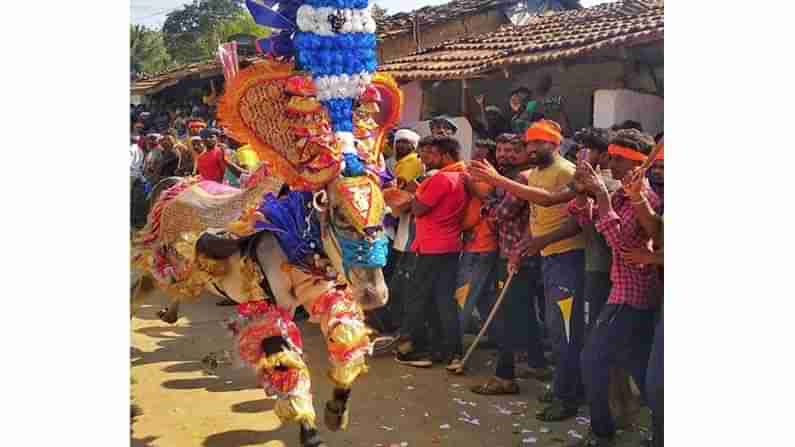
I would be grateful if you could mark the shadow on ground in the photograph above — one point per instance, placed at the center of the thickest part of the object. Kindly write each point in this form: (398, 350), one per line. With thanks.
(242, 438)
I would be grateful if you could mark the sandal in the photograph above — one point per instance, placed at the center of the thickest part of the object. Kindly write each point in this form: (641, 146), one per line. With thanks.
(496, 387)
(556, 412)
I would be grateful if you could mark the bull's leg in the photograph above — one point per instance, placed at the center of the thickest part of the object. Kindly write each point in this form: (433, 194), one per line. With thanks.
(283, 372)
(169, 314)
(347, 337)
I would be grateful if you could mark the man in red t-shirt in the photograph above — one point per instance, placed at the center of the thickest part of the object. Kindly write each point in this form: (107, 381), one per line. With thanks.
(210, 163)
(438, 205)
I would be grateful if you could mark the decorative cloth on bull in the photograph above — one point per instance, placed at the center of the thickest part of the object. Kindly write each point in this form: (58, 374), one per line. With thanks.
(193, 205)
(178, 269)
(297, 231)
(283, 373)
(166, 247)
(362, 205)
(348, 338)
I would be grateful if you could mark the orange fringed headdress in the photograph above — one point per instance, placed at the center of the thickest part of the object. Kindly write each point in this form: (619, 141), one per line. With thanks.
(256, 107)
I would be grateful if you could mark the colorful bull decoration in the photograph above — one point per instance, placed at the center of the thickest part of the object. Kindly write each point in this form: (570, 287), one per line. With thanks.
(316, 113)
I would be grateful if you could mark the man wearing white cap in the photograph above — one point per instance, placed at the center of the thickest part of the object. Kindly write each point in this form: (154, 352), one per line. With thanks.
(407, 169)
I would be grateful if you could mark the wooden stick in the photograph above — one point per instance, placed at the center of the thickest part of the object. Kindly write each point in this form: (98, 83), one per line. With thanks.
(650, 159)
(493, 312)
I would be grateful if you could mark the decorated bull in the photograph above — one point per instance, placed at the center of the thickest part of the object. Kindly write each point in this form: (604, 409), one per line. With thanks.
(317, 114)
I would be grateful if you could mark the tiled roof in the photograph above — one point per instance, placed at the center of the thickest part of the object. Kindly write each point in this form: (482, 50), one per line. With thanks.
(547, 38)
(149, 84)
(400, 23)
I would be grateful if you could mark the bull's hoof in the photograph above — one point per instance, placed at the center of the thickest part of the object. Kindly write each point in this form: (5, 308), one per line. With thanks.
(167, 315)
(310, 437)
(337, 414)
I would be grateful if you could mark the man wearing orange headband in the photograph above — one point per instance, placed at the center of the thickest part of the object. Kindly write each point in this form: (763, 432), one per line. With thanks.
(563, 267)
(547, 191)
(622, 333)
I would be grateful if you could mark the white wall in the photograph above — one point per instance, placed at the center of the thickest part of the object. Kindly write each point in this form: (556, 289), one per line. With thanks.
(412, 103)
(615, 106)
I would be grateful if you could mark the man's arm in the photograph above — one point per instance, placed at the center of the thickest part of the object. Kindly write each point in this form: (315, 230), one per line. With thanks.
(419, 209)
(429, 194)
(643, 256)
(634, 186)
(485, 172)
(569, 229)
(648, 219)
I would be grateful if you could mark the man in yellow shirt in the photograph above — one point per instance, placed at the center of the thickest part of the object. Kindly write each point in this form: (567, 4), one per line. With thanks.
(563, 267)
(563, 259)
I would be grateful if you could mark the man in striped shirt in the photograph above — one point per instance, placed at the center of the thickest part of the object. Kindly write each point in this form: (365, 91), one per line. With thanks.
(517, 326)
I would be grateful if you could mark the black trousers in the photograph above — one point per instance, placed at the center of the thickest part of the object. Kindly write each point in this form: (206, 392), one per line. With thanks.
(517, 326)
(389, 317)
(138, 205)
(430, 301)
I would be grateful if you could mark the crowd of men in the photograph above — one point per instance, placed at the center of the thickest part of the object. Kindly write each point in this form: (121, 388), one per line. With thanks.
(572, 230)
(575, 239)
(186, 147)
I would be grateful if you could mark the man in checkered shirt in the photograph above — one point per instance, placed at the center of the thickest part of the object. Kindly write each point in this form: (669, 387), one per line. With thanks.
(622, 333)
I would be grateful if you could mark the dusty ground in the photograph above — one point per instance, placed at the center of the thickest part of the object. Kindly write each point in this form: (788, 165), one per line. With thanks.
(183, 406)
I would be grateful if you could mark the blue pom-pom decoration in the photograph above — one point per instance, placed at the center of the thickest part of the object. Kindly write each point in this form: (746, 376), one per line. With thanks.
(353, 166)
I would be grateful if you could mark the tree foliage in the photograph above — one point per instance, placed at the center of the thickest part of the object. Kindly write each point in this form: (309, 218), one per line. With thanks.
(378, 12)
(190, 33)
(240, 23)
(147, 50)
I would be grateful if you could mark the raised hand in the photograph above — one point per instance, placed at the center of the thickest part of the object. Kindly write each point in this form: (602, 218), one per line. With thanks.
(483, 171)
(411, 186)
(633, 183)
(590, 180)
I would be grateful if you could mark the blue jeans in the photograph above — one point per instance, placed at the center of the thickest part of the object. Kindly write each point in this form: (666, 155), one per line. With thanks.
(564, 277)
(621, 336)
(597, 289)
(478, 273)
(654, 384)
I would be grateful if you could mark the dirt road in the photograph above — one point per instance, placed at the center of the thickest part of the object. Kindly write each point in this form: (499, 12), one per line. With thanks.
(183, 406)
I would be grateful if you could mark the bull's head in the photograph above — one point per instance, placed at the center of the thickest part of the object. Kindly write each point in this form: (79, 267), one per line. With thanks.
(351, 213)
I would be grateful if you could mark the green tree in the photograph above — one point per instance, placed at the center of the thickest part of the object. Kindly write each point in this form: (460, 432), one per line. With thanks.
(240, 23)
(190, 32)
(147, 51)
(378, 12)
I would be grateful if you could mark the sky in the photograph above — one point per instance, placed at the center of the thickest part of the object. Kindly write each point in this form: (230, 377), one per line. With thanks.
(152, 13)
